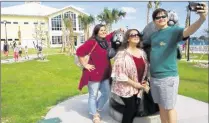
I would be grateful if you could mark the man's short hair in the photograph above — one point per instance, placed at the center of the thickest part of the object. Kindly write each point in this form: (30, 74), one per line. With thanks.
(159, 10)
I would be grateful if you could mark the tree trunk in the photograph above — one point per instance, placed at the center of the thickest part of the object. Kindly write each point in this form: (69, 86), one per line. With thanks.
(187, 24)
(85, 34)
(63, 38)
(148, 15)
(87, 31)
(110, 28)
(64, 46)
(71, 44)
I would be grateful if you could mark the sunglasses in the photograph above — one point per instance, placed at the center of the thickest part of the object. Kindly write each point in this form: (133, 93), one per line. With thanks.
(135, 35)
(158, 17)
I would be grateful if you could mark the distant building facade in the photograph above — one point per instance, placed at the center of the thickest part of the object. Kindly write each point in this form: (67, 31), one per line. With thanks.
(21, 22)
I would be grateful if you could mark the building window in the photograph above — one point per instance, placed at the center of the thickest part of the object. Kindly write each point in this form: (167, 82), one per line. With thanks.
(25, 22)
(80, 26)
(10, 39)
(3, 39)
(16, 39)
(56, 23)
(35, 23)
(8, 22)
(15, 22)
(2, 22)
(42, 23)
(56, 39)
(82, 39)
(73, 17)
(75, 40)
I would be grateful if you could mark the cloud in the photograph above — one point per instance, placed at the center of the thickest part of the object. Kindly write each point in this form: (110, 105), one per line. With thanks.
(129, 9)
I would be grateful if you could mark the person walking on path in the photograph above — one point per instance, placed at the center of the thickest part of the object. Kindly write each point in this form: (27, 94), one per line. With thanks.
(16, 53)
(20, 50)
(6, 49)
(26, 52)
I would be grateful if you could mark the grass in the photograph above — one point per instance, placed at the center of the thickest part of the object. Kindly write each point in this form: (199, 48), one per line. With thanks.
(31, 88)
(193, 81)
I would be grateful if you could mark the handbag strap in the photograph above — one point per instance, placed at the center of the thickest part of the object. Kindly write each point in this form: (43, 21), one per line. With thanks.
(92, 48)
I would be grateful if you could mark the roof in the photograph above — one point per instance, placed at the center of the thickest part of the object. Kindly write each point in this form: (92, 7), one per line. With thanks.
(74, 7)
(34, 9)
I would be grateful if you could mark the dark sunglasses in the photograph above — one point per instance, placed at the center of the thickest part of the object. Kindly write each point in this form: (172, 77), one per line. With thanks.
(135, 35)
(158, 17)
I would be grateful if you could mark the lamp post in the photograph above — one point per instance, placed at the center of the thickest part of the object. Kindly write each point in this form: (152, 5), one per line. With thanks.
(5, 23)
(188, 43)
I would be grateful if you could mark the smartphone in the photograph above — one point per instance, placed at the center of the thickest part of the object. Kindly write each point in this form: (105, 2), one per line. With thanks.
(193, 6)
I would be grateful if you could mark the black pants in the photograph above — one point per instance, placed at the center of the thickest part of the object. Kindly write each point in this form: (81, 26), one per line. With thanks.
(130, 109)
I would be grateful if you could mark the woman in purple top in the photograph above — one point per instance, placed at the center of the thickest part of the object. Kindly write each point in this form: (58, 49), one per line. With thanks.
(97, 71)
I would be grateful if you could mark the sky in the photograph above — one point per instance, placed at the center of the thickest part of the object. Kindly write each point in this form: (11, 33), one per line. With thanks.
(136, 12)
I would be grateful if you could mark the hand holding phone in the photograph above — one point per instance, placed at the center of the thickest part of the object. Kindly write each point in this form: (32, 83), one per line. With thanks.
(193, 6)
(199, 8)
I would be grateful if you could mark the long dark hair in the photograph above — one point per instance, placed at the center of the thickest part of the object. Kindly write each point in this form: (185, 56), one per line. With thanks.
(126, 37)
(96, 30)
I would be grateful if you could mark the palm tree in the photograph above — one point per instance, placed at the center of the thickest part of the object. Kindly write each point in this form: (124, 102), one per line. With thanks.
(203, 38)
(85, 22)
(110, 17)
(207, 33)
(187, 23)
(19, 35)
(69, 34)
(157, 4)
(149, 6)
(64, 34)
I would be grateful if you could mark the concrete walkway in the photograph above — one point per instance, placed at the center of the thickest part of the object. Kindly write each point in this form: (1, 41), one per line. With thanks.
(75, 110)
(195, 60)
(22, 59)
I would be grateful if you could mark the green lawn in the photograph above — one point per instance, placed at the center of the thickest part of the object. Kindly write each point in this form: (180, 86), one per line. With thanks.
(193, 81)
(29, 89)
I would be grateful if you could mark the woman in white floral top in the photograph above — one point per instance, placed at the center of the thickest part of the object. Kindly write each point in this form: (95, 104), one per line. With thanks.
(128, 73)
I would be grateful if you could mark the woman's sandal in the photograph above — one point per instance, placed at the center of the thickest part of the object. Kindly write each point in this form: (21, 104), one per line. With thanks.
(96, 118)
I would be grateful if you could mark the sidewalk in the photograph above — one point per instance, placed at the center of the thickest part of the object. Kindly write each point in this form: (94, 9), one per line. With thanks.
(75, 110)
(31, 57)
(11, 60)
(195, 60)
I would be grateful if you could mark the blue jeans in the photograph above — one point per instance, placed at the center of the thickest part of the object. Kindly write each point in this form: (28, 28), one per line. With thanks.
(94, 88)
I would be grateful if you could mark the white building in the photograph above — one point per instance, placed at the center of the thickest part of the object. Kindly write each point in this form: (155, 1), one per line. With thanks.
(27, 16)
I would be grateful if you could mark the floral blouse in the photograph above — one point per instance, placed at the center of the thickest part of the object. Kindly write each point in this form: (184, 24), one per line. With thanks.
(124, 68)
